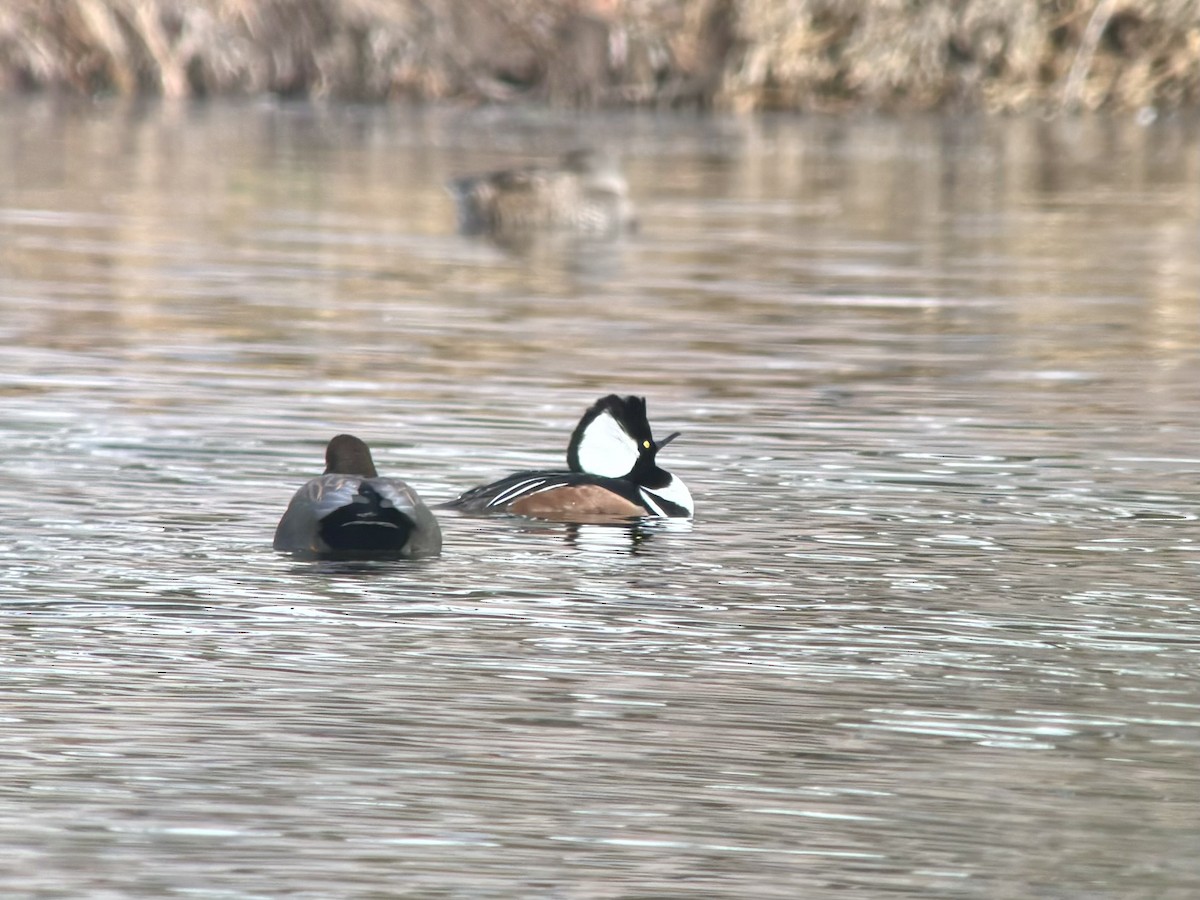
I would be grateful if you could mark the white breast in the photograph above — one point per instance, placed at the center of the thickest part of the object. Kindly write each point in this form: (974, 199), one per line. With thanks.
(675, 492)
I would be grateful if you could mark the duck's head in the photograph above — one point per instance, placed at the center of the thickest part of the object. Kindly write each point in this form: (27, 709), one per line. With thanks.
(348, 455)
(613, 440)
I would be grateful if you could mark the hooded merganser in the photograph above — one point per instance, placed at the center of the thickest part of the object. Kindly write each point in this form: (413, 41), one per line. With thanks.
(585, 193)
(352, 513)
(612, 473)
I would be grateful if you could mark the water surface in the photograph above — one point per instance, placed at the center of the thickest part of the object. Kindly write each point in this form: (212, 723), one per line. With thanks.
(934, 631)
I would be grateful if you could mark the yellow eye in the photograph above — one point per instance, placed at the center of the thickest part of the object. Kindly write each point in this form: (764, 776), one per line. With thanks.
(646, 444)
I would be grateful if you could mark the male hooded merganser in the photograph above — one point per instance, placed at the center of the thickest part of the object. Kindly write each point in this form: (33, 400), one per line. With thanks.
(586, 193)
(612, 473)
(350, 512)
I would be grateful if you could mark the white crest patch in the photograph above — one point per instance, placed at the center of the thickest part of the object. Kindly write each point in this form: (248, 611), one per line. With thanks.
(675, 492)
(606, 449)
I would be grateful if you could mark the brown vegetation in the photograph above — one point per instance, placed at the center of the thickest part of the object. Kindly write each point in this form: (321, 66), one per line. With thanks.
(739, 54)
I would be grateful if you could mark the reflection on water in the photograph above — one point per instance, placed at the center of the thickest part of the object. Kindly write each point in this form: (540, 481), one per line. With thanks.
(933, 632)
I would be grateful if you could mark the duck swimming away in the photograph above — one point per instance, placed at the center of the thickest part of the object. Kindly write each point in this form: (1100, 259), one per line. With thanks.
(612, 473)
(350, 512)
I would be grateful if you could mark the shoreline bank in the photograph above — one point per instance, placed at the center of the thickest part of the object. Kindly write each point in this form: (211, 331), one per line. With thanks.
(743, 55)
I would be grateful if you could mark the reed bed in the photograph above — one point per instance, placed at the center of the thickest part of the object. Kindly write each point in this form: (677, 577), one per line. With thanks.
(998, 55)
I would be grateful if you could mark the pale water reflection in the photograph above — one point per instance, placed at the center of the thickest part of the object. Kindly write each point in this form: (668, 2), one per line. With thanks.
(934, 631)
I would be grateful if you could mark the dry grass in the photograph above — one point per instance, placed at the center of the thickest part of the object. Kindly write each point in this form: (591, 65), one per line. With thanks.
(740, 54)
(995, 54)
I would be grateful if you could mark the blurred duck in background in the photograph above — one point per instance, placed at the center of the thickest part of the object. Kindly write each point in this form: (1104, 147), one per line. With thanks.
(585, 193)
